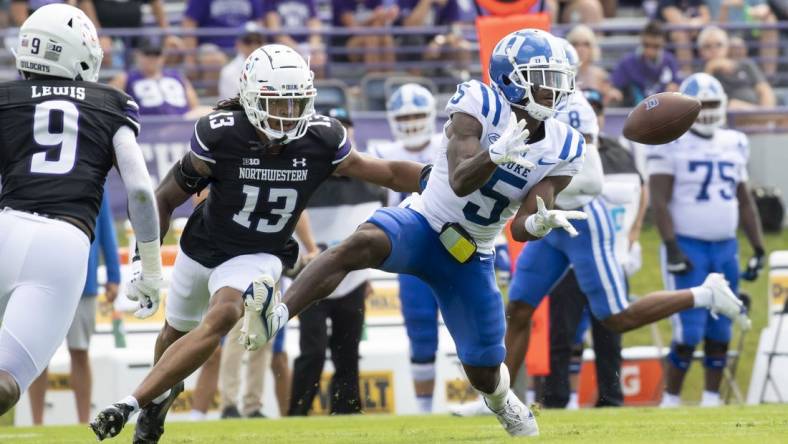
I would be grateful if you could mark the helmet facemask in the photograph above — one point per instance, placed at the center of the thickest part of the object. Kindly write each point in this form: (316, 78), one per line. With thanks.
(412, 129)
(712, 116)
(280, 115)
(558, 78)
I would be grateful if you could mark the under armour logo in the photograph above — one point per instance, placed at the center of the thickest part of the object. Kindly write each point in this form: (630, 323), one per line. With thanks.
(299, 162)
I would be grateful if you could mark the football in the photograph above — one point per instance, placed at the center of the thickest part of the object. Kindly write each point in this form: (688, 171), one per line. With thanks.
(661, 118)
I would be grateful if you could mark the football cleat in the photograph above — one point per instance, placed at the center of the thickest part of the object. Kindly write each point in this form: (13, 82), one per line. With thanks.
(150, 422)
(260, 324)
(516, 418)
(724, 302)
(110, 421)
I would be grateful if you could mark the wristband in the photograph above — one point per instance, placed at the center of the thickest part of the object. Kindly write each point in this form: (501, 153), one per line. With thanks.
(150, 256)
(535, 228)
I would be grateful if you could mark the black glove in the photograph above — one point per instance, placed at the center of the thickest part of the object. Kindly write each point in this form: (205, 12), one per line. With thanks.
(678, 263)
(754, 265)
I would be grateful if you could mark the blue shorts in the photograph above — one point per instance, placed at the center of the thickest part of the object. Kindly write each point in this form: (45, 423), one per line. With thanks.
(693, 325)
(420, 310)
(467, 294)
(543, 263)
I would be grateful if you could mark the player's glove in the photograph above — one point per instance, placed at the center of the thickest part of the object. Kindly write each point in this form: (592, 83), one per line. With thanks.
(678, 263)
(511, 146)
(754, 265)
(146, 281)
(544, 220)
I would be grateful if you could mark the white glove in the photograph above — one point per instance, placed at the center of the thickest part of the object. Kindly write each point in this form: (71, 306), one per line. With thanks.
(511, 146)
(544, 220)
(634, 259)
(144, 290)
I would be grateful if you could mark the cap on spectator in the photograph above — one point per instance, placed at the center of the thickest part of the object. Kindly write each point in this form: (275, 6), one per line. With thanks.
(340, 114)
(594, 97)
(150, 47)
(252, 34)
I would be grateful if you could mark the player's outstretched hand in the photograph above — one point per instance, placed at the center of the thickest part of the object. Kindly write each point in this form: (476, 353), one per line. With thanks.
(511, 146)
(144, 289)
(544, 220)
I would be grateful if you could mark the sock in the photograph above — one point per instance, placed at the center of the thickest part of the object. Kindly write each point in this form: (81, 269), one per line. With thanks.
(669, 400)
(702, 296)
(196, 415)
(162, 397)
(530, 397)
(573, 401)
(497, 399)
(710, 399)
(132, 401)
(424, 403)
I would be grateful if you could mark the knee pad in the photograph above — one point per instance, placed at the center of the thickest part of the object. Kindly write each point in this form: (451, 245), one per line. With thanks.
(716, 354)
(681, 356)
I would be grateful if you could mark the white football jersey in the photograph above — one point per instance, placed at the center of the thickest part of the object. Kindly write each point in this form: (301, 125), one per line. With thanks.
(484, 212)
(395, 150)
(706, 173)
(579, 114)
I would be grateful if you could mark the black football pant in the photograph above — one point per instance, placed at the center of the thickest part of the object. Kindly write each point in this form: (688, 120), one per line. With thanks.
(567, 302)
(347, 324)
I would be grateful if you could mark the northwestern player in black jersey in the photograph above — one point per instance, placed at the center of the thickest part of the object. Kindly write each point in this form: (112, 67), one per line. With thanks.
(263, 154)
(60, 133)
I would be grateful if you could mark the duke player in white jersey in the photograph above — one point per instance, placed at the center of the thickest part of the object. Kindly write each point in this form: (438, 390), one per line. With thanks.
(411, 115)
(699, 193)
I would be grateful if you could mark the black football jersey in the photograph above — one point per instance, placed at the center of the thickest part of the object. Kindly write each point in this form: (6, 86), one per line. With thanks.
(257, 192)
(56, 145)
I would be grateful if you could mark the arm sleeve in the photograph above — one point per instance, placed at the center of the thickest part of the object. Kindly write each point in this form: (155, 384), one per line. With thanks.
(142, 203)
(108, 240)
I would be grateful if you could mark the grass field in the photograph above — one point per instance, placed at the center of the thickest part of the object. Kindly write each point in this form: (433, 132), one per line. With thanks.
(762, 425)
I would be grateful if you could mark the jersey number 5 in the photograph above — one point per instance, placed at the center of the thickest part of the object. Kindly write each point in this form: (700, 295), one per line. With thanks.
(55, 128)
(493, 191)
(275, 195)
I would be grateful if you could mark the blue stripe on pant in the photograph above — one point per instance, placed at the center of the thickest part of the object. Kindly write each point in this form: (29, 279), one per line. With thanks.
(420, 310)
(693, 325)
(542, 264)
(467, 294)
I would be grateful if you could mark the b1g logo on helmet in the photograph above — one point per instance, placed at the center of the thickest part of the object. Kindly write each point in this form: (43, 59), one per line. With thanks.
(493, 137)
(652, 103)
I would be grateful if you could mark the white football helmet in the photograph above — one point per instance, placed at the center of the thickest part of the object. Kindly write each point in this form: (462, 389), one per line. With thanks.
(713, 100)
(411, 113)
(277, 92)
(571, 54)
(59, 40)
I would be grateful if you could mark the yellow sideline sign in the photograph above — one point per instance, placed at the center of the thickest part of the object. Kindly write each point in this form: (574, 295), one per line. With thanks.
(459, 391)
(377, 393)
(778, 289)
(384, 300)
(184, 402)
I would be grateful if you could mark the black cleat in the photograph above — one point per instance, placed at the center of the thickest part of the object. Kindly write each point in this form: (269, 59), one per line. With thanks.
(110, 421)
(150, 422)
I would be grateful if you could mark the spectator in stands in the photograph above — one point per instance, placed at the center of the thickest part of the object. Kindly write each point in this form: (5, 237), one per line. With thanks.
(754, 12)
(648, 70)
(84, 323)
(247, 42)
(692, 13)
(375, 50)
(340, 204)
(589, 74)
(157, 90)
(743, 81)
(284, 15)
(451, 46)
(581, 11)
(128, 14)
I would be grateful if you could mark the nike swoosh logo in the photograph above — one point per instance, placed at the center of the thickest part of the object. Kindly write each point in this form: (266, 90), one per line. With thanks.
(542, 162)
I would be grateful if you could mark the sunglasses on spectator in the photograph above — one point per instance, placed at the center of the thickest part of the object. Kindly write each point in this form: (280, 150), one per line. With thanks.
(580, 43)
(710, 45)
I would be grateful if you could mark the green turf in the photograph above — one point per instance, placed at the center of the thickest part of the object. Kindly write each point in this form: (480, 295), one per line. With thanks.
(762, 424)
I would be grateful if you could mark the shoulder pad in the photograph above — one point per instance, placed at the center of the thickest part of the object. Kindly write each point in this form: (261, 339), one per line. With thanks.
(208, 131)
(333, 134)
(478, 100)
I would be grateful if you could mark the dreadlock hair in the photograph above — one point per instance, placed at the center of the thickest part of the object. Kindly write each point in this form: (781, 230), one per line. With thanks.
(231, 104)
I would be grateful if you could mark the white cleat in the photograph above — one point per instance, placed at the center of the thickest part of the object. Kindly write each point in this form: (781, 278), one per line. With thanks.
(472, 408)
(516, 418)
(259, 300)
(724, 302)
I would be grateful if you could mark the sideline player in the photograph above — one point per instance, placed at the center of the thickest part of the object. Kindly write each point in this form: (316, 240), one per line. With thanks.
(61, 133)
(263, 154)
(411, 114)
(502, 157)
(699, 193)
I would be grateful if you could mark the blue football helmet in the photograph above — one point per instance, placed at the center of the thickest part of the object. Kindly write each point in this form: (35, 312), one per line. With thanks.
(712, 98)
(411, 114)
(526, 61)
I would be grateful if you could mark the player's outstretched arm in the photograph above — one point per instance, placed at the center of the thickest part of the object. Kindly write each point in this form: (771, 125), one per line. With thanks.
(398, 175)
(187, 177)
(470, 166)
